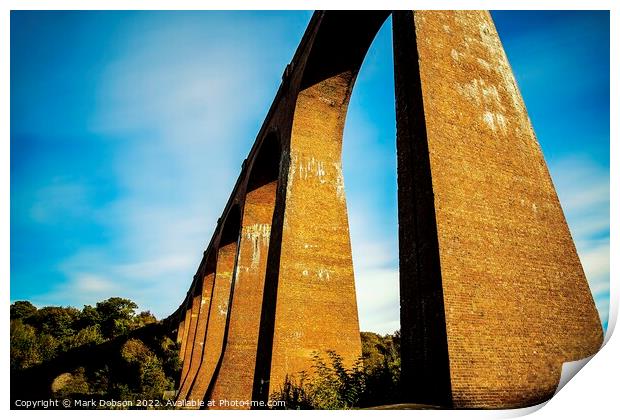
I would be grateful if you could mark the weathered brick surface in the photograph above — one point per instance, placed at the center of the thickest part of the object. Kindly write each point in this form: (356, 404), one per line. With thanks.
(316, 308)
(180, 331)
(236, 375)
(217, 321)
(199, 337)
(187, 313)
(193, 322)
(493, 296)
(517, 304)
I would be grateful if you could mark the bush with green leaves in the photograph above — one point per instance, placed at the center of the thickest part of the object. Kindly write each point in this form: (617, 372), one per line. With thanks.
(372, 380)
(106, 351)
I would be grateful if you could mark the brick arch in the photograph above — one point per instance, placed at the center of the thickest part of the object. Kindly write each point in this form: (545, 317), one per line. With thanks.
(234, 375)
(226, 249)
(488, 315)
(309, 283)
(203, 290)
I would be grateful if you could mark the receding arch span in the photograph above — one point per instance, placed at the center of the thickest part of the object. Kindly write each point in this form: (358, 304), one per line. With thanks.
(445, 122)
(204, 291)
(234, 375)
(310, 278)
(219, 304)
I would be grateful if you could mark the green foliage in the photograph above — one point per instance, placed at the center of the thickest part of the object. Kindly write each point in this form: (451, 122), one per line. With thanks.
(89, 317)
(381, 355)
(28, 348)
(38, 335)
(170, 354)
(296, 393)
(106, 351)
(23, 345)
(134, 351)
(55, 321)
(47, 347)
(148, 370)
(22, 309)
(72, 384)
(336, 387)
(116, 315)
(144, 318)
(88, 336)
(372, 380)
(153, 380)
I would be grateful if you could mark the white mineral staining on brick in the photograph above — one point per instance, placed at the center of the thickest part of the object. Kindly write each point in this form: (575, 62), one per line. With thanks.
(485, 64)
(487, 95)
(291, 174)
(495, 121)
(339, 182)
(481, 92)
(491, 42)
(501, 122)
(486, 35)
(323, 274)
(489, 120)
(310, 168)
(258, 235)
(490, 94)
(328, 101)
(470, 91)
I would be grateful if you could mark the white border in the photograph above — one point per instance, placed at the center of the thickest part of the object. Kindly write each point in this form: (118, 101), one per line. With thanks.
(592, 394)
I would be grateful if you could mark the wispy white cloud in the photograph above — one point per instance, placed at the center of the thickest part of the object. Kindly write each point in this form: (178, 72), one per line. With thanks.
(62, 198)
(80, 289)
(181, 110)
(583, 188)
(378, 299)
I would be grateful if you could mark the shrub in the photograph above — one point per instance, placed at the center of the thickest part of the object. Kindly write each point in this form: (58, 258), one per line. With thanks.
(22, 309)
(71, 384)
(23, 345)
(372, 380)
(88, 336)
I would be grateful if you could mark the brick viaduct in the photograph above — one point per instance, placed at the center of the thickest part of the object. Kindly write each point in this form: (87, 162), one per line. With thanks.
(493, 297)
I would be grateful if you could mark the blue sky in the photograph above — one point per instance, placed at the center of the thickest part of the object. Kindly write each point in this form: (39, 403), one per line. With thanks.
(128, 130)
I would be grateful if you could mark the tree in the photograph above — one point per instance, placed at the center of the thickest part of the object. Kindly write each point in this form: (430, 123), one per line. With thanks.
(56, 321)
(22, 309)
(28, 348)
(89, 317)
(147, 367)
(23, 345)
(116, 315)
(144, 318)
(71, 384)
(142, 365)
(85, 337)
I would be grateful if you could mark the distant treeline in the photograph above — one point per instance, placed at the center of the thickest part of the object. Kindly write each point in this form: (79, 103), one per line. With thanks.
(110, 352)
(107, 352)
